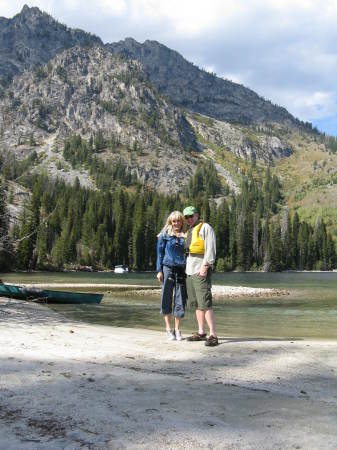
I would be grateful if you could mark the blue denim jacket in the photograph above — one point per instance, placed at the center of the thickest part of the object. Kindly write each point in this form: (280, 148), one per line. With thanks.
(170, 252)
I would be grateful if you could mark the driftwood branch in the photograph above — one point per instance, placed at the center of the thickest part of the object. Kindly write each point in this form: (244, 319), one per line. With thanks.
(37, 228)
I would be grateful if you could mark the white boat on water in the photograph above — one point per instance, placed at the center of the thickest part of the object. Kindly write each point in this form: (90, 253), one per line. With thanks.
(121, 269)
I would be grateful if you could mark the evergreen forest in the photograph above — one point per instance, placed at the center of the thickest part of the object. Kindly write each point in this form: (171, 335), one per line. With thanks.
(69, 227)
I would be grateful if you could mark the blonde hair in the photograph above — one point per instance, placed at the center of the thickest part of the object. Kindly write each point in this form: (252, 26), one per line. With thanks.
(168, 228)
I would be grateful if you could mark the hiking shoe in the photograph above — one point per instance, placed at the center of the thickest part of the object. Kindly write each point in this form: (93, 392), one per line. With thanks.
(178, 335)
(212, 341)
(197, 337)
(170, 335)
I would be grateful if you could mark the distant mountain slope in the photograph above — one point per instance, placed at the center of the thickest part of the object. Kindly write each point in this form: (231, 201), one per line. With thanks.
(200, 91)
(33, 37)
(89, 92)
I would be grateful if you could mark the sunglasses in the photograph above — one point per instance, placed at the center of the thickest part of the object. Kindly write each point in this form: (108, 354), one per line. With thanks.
(189, 217)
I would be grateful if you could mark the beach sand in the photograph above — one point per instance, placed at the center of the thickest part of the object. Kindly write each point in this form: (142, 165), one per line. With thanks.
(218, 291)
(70, 385)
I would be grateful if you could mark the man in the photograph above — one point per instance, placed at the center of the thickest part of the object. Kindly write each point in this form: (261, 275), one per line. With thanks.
(201, 251)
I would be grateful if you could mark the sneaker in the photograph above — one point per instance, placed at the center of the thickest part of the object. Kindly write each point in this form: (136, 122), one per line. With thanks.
(178, 335)
(212, 341)
(170, 335)
(197, 337)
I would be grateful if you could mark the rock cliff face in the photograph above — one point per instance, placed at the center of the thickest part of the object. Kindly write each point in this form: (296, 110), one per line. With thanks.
(87, 91)
(32, 38)
(243, 142)
(199, 91)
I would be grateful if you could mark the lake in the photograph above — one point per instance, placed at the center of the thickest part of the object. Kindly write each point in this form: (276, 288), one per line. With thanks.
(310, 311)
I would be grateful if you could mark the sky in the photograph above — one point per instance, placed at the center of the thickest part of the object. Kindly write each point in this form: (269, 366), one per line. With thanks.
(285, 50)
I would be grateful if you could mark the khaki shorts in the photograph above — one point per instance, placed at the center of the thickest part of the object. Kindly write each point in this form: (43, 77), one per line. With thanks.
(199, 291)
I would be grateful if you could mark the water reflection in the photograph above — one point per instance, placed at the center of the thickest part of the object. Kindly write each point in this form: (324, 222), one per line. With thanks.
(253, 318)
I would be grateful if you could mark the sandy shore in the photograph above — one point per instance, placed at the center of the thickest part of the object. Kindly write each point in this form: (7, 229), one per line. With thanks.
(141, 290)
(66, 385)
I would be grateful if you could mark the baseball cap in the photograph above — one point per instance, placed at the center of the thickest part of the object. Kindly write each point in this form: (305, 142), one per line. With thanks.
(189, 211)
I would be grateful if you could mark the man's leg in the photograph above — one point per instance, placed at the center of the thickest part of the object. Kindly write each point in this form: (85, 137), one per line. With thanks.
(200, 314)
(212, 340)
(210, 322)
(205, 302)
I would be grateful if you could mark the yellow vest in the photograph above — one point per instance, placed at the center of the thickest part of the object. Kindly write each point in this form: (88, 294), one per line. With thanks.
(197, 246)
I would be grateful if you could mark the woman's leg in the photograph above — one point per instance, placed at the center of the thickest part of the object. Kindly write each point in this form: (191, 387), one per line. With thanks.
(166, 296)
(179, 298)
(167, 318)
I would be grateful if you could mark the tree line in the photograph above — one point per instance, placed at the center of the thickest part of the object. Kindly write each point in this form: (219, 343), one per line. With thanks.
(64, 226)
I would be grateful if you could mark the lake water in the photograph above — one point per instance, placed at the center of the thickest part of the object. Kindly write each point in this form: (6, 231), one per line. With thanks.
(310, 311)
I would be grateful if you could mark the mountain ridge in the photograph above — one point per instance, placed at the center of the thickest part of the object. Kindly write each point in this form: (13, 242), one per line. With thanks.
(200, 91)
(33, 37)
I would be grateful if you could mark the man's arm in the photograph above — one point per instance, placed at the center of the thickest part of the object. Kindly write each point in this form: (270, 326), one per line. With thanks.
(208, 235)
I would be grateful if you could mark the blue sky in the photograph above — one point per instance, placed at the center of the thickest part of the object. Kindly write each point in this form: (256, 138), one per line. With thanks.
(284, 50)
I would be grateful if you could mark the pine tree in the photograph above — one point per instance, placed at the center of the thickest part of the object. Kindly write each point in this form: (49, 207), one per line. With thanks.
(256, 255)
(275, 247)
(205, 209)
(138, 235)
(265, 246)
(28, 231)
(120, 236)
(232, 236)
(42, 246)
(303, 242)
(294, 239)
(6, 250)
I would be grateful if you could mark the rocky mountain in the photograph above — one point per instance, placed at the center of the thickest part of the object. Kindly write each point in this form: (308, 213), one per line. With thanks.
(87, 91)
(32, 38)
(200, 91)
(155, 112)
(248, 143)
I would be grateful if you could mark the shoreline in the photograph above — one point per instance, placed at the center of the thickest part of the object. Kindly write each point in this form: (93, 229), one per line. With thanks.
(70, 385)
(218, 291)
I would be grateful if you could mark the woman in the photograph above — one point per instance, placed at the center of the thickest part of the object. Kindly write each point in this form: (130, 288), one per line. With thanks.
(171, 273)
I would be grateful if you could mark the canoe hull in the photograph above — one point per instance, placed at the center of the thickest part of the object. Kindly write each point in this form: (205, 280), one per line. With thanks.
(72, 297)
(47, 296)
(12, 291)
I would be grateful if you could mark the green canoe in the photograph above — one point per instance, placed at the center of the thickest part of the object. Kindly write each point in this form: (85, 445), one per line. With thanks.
(45, 295)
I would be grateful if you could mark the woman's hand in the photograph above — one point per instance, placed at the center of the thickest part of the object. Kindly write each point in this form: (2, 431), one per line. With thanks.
(160, 277)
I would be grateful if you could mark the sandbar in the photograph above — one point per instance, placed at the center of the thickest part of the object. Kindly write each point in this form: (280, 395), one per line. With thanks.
(218, 291)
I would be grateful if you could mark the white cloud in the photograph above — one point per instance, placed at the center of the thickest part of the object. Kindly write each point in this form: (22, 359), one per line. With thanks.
(114, 7)
(307, 105)
(105, 8)
(187, 18)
